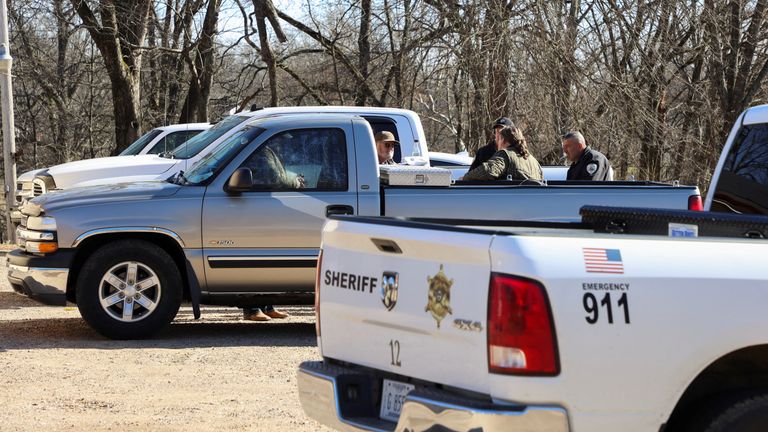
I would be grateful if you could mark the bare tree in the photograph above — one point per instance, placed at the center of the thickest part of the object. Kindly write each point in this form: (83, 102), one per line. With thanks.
(202, 68)
(118, 32)
(265, 10)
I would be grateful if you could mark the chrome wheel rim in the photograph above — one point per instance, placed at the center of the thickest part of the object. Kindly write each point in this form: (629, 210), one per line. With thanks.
(129, 291)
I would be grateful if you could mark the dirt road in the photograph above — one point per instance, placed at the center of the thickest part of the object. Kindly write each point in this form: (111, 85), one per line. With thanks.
(218, 373)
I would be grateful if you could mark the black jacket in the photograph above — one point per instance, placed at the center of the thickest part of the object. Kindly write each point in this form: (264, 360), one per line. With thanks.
(592, 165)
(483, 154)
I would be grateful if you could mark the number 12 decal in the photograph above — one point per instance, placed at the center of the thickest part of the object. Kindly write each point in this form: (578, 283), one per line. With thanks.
(394, 347)
(592, 307)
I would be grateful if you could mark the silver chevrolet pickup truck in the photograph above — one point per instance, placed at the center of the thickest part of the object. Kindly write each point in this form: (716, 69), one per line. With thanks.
(242, 226)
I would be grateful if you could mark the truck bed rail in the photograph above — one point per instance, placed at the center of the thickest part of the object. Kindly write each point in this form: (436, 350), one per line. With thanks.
(676, 223)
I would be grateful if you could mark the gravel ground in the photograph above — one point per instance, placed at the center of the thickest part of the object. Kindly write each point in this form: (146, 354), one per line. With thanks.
(218, 373)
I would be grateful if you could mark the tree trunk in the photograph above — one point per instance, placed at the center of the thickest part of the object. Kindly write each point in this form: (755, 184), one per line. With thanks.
(364, 49)
(265, 10)
(122, 29)
(201, 69)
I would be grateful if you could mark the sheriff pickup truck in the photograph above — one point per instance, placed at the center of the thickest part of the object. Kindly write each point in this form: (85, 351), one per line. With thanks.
(243, 225)
(630, 320)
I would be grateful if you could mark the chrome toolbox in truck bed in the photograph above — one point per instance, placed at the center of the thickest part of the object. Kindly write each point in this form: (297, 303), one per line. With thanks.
(406, 175)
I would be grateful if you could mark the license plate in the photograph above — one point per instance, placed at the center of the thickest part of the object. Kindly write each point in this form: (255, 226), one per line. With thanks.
(393, 395)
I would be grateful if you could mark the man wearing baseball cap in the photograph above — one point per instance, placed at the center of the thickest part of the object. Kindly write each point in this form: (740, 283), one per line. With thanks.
(487, 151)
(385, 147)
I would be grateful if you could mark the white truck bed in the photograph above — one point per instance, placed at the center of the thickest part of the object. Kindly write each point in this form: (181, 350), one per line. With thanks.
(635, 320)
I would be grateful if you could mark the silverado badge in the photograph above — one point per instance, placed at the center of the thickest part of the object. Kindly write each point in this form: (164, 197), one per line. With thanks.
(389, 283)
(439, 296)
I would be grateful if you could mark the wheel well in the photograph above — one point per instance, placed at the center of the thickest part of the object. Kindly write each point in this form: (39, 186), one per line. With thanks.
(743, 370)
(91, 244)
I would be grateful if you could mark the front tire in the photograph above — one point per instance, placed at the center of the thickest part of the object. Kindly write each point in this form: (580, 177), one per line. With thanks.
(129, 289)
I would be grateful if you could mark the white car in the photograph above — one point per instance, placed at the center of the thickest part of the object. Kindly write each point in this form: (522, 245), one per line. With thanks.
(163, 139)
(458, 163)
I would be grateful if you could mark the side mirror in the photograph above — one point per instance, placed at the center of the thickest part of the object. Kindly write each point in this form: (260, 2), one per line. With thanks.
(240, 181)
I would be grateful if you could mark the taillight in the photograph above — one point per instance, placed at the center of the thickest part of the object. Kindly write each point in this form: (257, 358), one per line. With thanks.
(694, 203)
(521, 334)
(317, 292)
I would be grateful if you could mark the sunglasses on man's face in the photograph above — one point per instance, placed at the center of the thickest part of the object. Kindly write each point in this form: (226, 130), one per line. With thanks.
(389, 144)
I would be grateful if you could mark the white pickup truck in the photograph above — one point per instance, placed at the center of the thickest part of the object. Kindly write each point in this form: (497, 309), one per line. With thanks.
(633, 320)
(154, 159)
(159, 140)
(143, 166)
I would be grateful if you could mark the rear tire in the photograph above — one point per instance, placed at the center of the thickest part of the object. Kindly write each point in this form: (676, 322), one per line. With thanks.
(736, 413)
(129, 289)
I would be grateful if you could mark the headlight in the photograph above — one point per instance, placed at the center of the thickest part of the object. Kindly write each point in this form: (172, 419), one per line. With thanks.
(25, 234)
(41, 223)
(36, 241)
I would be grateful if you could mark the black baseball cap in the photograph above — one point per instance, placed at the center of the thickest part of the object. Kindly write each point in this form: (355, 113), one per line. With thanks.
(501, 122)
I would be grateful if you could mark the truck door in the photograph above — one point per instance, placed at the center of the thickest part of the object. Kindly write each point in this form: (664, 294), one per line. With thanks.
(267, 239)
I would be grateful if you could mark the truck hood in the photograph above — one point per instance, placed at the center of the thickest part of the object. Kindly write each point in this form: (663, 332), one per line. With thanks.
(70, 174)
(100, 194)
(29, 175)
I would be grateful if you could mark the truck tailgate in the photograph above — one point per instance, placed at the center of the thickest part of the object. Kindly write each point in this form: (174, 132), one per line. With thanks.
(414, 316)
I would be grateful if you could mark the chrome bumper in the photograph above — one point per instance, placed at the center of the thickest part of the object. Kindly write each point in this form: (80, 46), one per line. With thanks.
(47, 285)
(320, 388)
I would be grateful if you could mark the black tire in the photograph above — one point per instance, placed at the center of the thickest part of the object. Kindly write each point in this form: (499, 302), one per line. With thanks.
(744, 413)
(138, 312)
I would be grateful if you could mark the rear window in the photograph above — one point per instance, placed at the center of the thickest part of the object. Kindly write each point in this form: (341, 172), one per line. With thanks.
(140, 143)
(743, 183)
(380, 124)
(171, 141)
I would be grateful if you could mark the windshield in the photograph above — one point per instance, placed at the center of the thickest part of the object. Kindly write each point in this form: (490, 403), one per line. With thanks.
(218, 158)
(200, 142)
(140, 143)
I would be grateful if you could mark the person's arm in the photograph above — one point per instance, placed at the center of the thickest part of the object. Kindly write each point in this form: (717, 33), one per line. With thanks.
(596, 169)
(494, 169)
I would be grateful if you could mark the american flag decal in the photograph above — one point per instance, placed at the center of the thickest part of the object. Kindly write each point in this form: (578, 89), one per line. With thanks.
(600, 260)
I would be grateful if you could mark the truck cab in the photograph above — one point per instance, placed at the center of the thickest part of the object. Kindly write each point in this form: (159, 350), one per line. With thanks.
(740, 181)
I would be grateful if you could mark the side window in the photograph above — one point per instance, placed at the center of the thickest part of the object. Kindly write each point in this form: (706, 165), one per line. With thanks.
(307, 159)
(380, 124)
(743, 183)
(171, 141)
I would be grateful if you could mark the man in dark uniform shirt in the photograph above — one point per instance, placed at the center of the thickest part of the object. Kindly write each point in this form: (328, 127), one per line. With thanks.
(487, 151)
(586, 163)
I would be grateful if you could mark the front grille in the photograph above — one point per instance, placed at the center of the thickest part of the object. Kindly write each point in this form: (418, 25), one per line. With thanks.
(38, 189)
